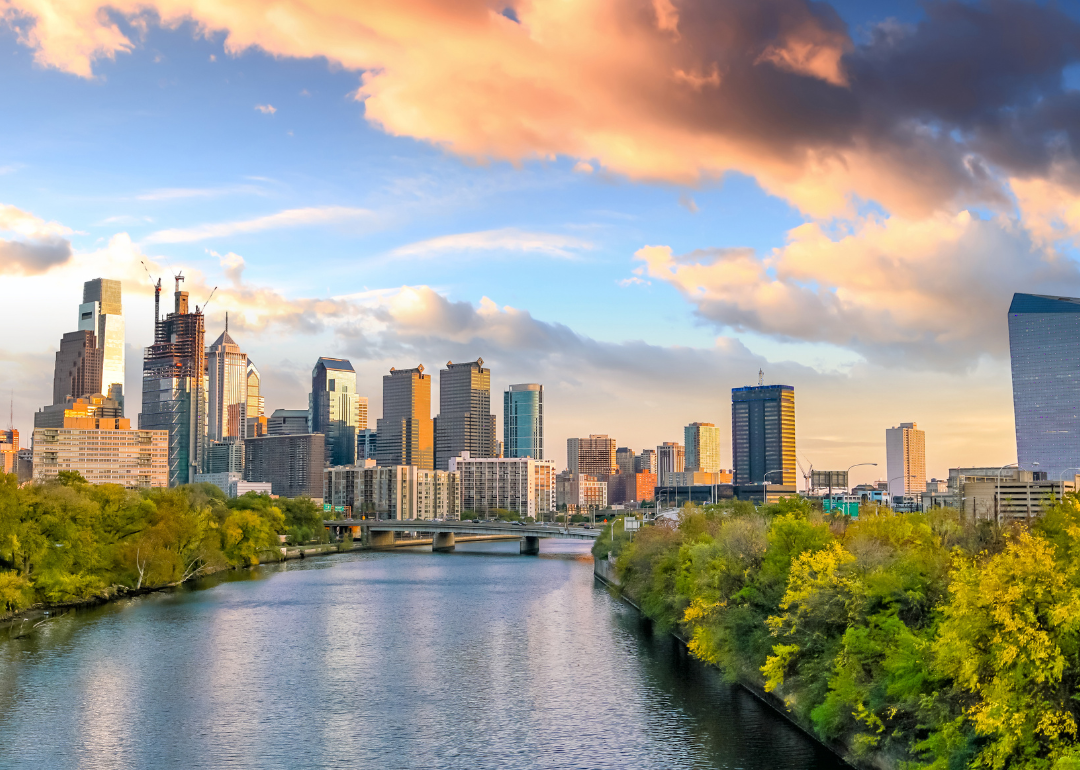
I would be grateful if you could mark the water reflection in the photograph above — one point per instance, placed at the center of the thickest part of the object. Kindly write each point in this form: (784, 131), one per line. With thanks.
(477, 659)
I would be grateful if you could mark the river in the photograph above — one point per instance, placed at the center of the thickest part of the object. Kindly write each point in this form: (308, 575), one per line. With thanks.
(479, 659)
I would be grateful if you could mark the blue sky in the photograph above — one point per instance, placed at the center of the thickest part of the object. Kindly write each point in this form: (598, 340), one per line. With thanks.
(174, 143)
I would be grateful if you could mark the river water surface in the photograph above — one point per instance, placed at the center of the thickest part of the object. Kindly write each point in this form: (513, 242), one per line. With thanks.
(479, 659)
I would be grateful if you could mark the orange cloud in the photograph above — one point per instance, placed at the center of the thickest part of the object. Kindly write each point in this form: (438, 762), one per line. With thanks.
(652, 89)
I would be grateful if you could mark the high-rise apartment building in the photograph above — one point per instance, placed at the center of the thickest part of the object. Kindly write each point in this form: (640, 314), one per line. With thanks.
(670, 458)
(465, 422)
(702, 447)
(394, 492)
(227, 378)
(523, 421)
(905, 454)
(78, 366)
(174, 387)
(1044, 345)
(96, 406)
(406, 433)
(103, 450)
(763, 434)
(645, 462)
(519, 484)
(336, 410)
(593, 456)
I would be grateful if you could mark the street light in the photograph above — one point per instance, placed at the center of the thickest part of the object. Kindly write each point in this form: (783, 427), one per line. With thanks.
(1061, 480)
(889, 485)
(856, 465)
(765, 486)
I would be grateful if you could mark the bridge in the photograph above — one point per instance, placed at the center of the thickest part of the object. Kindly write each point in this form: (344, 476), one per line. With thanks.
(380, 533)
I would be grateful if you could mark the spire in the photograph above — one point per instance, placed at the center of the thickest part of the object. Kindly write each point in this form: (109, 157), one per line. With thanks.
(226, 321)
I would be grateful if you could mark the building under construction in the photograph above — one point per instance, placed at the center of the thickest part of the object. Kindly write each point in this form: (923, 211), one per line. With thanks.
(174, 394)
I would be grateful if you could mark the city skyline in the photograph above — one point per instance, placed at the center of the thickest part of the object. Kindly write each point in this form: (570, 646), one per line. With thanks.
(857, 247)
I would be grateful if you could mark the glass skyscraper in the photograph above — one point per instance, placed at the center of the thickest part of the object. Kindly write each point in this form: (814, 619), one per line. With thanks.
(1044, 345)
(102, 313)
(405, 431)
(763, 434)
(335, 409)
(523, 421)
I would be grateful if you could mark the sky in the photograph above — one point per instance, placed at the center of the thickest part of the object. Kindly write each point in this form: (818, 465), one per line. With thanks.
(638, 203)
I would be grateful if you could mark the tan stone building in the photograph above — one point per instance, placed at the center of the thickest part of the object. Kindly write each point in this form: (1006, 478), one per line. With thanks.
(103, 450)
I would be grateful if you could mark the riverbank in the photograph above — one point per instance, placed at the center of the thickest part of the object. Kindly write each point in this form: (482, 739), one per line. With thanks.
(604, 571)
(45, 611)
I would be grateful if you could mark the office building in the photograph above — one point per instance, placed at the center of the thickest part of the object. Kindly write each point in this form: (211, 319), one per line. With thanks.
(905, 454)
(670, 458)
(763, 435)
(95, 405)
(256, 404)
(77, 370)
(523, 421)
(645, 462)
(1005, 494)
(174, 386)
(639, 487)
(406, 432)
(101, 313)
(103, 450)
(9, 451)
(233, 484)
(292, 463)
(393, 492)
(698, 478)
(225, 457)
(367, 446)
(336, 410)
(287, 422)
(702, 447)
(592, 456)
(465, 422)
(625, 460)
(519, 484)
(26, 464)
(1044, 346)
(227, 379)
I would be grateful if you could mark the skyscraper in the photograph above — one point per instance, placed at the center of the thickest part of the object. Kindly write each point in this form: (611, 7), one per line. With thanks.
(905, 454)
(465, 422)
(174, 387)
(101, 313)
(763, 434)
(670, 458)
(625, 459)
(256, 404)
(593, 456)
(78, 366)
(702, 447)
(523, 421)
(1044, 345)
(406, 433)
(227, 369)
(335, 409)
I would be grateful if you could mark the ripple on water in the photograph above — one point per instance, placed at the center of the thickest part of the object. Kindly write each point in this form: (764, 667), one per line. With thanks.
(480, 659)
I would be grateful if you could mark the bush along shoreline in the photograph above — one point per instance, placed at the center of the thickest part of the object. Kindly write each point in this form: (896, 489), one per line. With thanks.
(69, 543)
(912, 640)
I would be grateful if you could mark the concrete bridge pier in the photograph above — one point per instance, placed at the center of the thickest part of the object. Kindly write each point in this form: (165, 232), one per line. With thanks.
(530, 545)
(442, 541)
(381, 539)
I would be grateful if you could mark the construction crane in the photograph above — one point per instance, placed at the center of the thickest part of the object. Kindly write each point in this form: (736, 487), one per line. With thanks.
(207, 301)
(806, 476)
(157, 296)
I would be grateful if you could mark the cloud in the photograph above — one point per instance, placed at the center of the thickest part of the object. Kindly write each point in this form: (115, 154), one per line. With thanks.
(266, 109)
(175, 193)
(930, 293)
(505, 239)
(305, 217)
(918, 117)
(688, 203)
(40, 248)
(581, 167)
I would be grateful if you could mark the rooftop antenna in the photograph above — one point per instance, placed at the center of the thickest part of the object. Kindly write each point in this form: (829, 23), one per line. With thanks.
(226, 319)
(760, 378)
